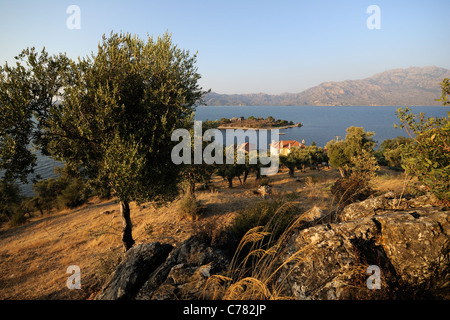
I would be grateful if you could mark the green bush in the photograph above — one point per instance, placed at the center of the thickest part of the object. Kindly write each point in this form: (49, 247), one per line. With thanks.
(18, 218)
(340, 153)
(427, 157)
(61, 192)
(72, 196)
(189, 206)
(390, 152)
(10, 198)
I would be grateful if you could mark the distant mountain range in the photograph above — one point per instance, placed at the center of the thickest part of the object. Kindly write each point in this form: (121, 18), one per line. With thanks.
(413, 86)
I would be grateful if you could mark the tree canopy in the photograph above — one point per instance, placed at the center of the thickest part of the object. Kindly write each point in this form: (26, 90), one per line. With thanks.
(110, 115)
(427, 156)
(341, 153)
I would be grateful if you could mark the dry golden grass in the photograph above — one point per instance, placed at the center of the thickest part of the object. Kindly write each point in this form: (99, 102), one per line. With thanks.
(389, 180)
(34, 257)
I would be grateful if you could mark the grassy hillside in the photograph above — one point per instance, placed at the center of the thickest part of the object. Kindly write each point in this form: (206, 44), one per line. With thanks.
(34, 257)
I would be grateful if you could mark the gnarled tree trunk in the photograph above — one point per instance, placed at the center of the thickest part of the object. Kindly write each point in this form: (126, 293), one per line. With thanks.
(127, 237)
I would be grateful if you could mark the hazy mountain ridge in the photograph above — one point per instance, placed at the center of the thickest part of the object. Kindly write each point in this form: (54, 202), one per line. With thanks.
(414, 86)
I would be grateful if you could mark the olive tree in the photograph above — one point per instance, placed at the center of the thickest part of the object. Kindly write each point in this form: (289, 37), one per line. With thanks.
(117, 111)
(342, 153)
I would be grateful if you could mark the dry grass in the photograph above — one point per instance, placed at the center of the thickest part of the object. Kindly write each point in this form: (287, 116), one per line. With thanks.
(34, 257)
(388, 180)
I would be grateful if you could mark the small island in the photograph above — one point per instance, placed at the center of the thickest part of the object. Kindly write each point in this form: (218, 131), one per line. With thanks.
(255, 123)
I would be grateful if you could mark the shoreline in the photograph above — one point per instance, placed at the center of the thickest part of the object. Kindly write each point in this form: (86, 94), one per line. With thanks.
(263, 128)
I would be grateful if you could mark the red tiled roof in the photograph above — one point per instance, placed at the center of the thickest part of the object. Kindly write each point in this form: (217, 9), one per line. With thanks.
(285, 144)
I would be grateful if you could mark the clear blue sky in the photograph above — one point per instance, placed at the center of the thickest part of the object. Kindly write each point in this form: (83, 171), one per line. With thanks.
(247, 46)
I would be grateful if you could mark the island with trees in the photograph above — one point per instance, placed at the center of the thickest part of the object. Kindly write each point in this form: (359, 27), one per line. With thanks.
(254, 123)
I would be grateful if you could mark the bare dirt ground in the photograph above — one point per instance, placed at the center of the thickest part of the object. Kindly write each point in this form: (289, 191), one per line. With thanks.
(34, 257)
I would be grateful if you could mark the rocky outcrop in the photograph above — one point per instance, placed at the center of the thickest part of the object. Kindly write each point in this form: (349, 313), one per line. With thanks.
(150, 272)
(407, 240)
(183, 275)
(139, 262)
(410, 247)
(388, 201)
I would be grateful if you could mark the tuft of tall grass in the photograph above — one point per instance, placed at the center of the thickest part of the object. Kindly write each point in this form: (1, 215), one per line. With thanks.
(254, 271)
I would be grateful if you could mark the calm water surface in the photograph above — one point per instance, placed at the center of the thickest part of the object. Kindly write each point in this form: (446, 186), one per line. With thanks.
(320, 124)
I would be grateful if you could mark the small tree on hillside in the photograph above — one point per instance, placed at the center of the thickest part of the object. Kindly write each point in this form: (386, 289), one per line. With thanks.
(340, 153)
(293, 160)
(116, 116)
(229, 171)
(428, 155)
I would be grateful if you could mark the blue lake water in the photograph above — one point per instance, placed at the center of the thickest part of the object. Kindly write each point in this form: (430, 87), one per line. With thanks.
(320, 124)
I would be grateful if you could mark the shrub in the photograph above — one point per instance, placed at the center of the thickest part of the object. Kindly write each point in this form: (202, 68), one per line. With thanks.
(340, 153)
(390, 152)
(65, 191)
(10, 199)
(427, 157)
(350, 189)
(189, 206)
(72, 196)
(48, 190)
(18, 218)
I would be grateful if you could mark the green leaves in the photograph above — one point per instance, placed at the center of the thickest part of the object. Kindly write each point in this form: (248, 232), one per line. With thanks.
(124, 163)
(28, 91)
(445, 99)
(428, 156)
(356, 141)
(110, 114)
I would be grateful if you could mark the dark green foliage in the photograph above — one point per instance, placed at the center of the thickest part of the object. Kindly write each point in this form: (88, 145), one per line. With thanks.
(73, 195)
(300, 158)
(390, 152)
(10, 199)
(26, 97)
(230, 171)
(61, 192)
(48, 190)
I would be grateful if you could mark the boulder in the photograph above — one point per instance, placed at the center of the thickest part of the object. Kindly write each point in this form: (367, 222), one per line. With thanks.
(408, 241)
(313, 214)
(330, 261)
(183, 275)
(388, 201)
(139, 262)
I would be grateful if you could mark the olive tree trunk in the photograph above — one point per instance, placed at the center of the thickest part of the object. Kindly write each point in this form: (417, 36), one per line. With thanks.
(127, 237)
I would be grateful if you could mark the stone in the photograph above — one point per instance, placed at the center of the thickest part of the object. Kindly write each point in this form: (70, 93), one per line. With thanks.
(265, 191)
(312, 214)
(372, 206)
(139, 262)
(366, 208)
(408, 241)
(329, 261)
(187, 267)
